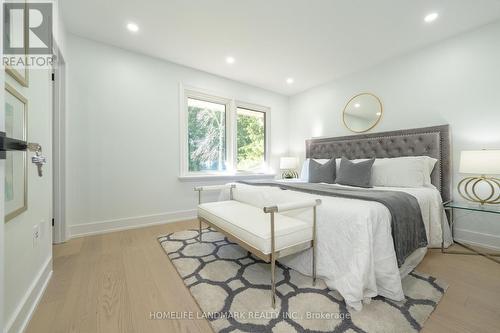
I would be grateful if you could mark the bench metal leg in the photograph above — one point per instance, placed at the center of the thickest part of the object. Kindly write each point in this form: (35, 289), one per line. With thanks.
(199, 220)
(199, 229)
(314, 247)
(273, 265)
(273, 281)
(314, 262)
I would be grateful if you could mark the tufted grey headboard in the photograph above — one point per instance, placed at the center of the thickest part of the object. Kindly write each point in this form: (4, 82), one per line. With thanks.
(430, 141)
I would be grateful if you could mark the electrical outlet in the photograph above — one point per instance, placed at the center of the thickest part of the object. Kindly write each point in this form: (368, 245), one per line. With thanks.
(36, 234)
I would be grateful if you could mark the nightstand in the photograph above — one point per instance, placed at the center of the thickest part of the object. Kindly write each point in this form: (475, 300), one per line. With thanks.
(451, 206)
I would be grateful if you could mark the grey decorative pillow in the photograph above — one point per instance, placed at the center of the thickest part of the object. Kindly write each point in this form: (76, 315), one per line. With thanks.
(322, 173)
(355, 174)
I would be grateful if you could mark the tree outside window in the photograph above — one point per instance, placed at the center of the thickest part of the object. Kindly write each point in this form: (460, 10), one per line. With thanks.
(223, 135)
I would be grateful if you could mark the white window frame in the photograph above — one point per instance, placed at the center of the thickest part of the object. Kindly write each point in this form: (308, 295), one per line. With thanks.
(232, 106)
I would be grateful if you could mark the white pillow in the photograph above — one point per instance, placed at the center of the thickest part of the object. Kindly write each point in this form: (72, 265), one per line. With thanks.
(304, 173)
(410, 171)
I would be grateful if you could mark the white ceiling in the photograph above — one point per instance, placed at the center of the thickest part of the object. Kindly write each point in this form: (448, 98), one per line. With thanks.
(313, 41)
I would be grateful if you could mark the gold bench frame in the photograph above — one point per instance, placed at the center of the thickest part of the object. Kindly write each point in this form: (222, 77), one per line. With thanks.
(275, 254)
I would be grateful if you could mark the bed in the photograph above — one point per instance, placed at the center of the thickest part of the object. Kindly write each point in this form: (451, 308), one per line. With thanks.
(355, 251)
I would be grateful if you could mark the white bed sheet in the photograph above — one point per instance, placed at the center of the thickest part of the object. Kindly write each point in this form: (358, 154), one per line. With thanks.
(355, 251)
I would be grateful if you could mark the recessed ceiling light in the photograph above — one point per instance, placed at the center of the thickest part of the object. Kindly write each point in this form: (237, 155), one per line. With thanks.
(132, 27)
(431, 17)
(290, 80)
(357, 105)
(230, 60)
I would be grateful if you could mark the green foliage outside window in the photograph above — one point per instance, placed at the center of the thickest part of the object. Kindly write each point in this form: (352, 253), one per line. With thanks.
(207, 137)
(250, 139)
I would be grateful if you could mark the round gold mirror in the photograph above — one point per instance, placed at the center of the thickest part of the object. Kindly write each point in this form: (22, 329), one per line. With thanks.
(362, 112)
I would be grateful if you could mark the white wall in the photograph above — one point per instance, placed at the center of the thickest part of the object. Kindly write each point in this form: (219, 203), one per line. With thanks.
(123, 135)
(455, 82)
(59, 27)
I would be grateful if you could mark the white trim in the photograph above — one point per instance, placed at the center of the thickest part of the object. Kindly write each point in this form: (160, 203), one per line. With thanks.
(241, 176)
(204, 96)
(182, 130)
(488, 241)
(59, 93)
(24, 311)
(231, 136)
(101, 227)
(253, 107)
(232, 105)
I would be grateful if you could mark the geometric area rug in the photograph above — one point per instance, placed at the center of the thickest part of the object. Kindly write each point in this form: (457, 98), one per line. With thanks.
(232, 288)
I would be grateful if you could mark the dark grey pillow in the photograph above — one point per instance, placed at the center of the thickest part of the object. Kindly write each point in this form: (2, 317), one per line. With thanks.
(322, 173)
(355, 174)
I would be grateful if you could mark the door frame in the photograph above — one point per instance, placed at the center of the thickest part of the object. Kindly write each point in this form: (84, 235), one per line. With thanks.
(2, 183)
(59, 230)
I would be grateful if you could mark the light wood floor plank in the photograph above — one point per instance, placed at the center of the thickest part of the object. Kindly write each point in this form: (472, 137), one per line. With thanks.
(112, 282)
(472, 279)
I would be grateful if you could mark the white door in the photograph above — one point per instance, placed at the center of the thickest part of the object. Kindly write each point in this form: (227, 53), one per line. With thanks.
(28, 235)
(26, 238)
(2, 189)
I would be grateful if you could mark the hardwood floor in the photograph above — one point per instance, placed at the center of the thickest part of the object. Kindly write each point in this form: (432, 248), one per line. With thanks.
(112, 282)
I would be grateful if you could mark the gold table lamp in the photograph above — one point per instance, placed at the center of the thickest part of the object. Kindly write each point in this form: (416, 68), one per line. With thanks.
(480, 162)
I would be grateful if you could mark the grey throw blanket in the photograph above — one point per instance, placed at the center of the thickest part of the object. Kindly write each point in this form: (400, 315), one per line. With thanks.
(408, 230)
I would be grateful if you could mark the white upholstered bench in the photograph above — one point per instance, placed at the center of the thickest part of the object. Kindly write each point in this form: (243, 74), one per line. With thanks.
(262, 231)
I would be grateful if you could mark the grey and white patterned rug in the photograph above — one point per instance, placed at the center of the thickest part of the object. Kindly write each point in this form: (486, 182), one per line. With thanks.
(232, 288)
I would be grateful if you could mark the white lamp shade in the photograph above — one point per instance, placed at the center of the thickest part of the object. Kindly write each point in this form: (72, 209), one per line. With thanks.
(288, 163)
(480, 162)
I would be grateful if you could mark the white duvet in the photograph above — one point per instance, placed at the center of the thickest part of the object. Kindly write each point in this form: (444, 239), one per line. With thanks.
(355, 251)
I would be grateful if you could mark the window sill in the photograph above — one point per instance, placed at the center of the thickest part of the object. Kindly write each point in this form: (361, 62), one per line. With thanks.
(238, 176)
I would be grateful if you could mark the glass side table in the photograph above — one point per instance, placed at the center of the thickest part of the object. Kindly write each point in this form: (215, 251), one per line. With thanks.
(488, 209)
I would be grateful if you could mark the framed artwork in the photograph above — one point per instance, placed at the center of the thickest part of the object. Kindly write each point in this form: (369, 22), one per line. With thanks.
(16, 174)
(21, 76)
(20, 73)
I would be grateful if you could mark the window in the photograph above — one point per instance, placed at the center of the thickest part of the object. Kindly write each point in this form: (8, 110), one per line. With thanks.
(222, 136)
(206, 136)
(250, 139)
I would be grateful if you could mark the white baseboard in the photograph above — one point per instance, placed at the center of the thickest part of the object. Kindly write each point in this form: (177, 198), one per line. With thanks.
(100, 227)
(488, 241)
(21, 317)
